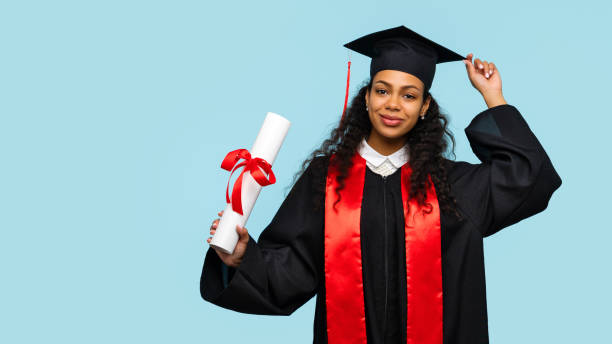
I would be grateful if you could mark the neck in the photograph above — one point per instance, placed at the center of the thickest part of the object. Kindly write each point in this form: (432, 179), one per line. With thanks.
(385, 145)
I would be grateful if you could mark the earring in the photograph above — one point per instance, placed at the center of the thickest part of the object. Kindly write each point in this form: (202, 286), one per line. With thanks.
(366, 108)
(422, 117)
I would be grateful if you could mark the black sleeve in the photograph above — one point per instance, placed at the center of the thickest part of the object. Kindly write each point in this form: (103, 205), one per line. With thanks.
(515, 178)
(283, 270)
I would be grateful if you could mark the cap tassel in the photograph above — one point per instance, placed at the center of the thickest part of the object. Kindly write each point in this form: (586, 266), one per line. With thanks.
(348, 78)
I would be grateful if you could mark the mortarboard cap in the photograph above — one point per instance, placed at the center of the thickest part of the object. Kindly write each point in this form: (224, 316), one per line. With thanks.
(402, 49)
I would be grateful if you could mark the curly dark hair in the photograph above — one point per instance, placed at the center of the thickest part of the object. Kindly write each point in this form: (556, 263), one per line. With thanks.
(428, 141)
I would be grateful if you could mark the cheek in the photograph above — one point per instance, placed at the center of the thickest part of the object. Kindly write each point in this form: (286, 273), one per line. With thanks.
(413, 118)
(410, 123)
(372, 116)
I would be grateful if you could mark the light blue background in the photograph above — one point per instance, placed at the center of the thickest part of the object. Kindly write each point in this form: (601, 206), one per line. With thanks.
(114, 118)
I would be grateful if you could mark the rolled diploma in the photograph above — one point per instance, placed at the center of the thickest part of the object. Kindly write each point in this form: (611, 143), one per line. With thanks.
(266, 146)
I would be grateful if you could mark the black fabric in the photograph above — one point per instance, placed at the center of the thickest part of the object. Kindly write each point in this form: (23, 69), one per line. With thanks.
(382, 247)
(402, 49)
(285, 268)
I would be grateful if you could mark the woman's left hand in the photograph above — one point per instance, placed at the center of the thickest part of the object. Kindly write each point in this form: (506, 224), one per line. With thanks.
(485, 77)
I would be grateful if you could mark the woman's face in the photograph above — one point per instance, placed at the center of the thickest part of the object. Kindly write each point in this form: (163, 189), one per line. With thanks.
(395, 103)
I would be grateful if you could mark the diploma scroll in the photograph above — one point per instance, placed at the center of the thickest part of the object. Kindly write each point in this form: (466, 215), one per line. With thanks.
(266, 146)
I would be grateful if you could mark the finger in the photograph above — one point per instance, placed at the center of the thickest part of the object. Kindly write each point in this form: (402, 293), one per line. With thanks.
(215, 223)
(485, 68)
(243, 233)
(213, 231)
(220, 213)
(491, 68)
(208, 240)
(478, 65)
(469, 57)
(469, 65)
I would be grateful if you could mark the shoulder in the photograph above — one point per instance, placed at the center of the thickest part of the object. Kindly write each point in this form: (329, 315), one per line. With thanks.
(312, 181)
(314, 173)
(457, 170)
(317, 168)
(319, 162)
(467, 182)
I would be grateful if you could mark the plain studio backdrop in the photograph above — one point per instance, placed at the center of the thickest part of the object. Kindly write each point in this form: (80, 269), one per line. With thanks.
(115, 116)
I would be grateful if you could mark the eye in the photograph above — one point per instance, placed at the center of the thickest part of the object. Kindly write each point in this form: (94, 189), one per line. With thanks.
(381, 91)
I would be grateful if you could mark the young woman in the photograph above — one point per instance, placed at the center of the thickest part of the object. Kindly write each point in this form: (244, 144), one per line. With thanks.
(385, 230)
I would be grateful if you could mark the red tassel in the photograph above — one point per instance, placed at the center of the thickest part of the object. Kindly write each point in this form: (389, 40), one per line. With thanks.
(348, 77)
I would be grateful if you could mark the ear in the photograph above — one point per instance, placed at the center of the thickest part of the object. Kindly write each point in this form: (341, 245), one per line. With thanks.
(367, 96)
(425, 105)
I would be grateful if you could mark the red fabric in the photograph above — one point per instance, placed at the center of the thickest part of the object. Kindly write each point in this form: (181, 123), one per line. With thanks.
(252, 165)
(348, 78)
(343, 268)
(423, 266)
(343, 281)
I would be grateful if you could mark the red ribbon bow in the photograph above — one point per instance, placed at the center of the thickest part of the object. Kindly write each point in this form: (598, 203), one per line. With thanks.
(253, 165)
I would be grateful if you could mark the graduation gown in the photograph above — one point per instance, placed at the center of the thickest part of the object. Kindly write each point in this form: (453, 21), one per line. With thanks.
(285, 268)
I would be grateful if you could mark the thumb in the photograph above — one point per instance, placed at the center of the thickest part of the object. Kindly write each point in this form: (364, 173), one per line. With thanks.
(469, 66)
(242, 233)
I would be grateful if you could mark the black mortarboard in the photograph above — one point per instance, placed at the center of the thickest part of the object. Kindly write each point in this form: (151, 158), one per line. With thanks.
(402, 49)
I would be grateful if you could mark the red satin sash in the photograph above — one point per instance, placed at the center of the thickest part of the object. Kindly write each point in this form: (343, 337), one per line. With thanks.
(343, 269)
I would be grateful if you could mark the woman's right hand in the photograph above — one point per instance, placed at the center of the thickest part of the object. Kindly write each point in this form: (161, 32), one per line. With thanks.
(235, 258)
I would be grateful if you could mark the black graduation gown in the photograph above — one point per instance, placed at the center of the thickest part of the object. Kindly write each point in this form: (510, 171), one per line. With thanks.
(285, 268)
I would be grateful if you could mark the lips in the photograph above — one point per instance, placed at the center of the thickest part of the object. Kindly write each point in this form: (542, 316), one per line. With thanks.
(390, 117)
(390, 120)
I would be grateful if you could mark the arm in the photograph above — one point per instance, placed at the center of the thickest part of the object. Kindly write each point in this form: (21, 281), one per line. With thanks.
(283, 270)
(516, 178)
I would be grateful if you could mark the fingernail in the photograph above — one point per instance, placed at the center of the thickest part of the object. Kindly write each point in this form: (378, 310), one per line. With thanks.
(480, 66)
(487, 75)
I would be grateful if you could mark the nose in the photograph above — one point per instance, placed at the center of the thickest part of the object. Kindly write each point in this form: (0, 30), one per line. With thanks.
(392, 103)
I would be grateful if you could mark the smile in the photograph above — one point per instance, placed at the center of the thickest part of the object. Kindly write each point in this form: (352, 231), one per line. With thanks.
(390, 121)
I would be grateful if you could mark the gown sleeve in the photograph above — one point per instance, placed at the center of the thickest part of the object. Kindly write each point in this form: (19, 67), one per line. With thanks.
(515, 178)
(283, 269)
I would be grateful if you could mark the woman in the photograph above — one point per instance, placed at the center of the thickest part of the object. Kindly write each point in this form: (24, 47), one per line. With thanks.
(380, 226)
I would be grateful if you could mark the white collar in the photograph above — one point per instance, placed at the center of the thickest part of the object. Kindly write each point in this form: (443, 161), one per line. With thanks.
(398, 159)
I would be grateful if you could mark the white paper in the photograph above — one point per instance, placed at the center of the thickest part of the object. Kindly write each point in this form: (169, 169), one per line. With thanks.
(266, 146)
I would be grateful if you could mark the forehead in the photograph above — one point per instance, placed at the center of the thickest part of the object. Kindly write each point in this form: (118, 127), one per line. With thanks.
(397, 78)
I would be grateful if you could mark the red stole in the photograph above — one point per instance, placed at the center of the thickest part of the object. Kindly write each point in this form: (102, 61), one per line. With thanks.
(343, 269)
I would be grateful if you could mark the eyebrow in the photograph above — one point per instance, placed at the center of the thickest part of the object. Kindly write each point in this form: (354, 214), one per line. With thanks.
(405, 86)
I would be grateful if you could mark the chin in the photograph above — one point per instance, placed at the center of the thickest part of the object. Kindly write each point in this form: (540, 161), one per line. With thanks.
(393, 134)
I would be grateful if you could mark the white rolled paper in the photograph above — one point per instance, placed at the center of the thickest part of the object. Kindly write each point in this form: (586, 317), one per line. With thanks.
(266, 146)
